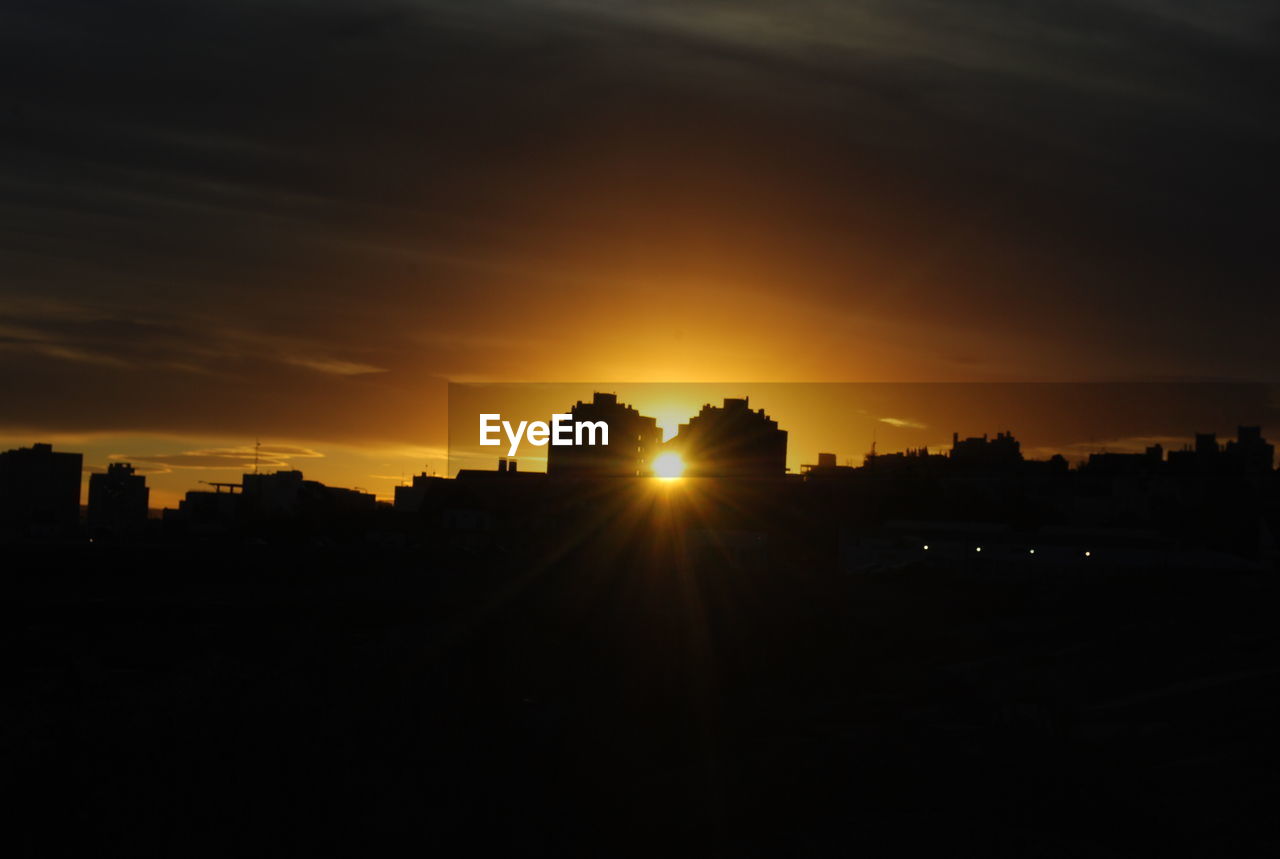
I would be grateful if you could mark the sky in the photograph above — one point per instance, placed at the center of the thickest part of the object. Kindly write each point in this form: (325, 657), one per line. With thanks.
(297, 222)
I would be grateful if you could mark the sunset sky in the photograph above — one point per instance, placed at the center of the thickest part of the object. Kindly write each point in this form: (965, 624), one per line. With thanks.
(298, 221)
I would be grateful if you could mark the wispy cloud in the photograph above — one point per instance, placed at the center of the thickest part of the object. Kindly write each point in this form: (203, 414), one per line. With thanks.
(268, 456)
(335, 366)
(185, 342)
(903, 423)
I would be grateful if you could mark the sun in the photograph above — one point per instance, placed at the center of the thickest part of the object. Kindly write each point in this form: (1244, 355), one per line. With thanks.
(668, 466)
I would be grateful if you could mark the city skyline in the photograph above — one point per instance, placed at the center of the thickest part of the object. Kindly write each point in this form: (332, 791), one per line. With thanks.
(857, 430)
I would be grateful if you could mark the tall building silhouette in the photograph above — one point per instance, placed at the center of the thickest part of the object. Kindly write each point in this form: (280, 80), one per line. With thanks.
(39, 492)
(633, 442)
(1249, 452)
(732, 441)
(1207, 445)
(117, 502)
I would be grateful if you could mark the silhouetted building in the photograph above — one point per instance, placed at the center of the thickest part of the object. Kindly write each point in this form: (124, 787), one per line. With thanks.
(916, 462)
(1003, 451)
(507, 469)
(633, 442)
(286, 495)
(1206, 444)
(204, 511)
(1115, 464)
(414, 498)
(277, 497)
(732, 441)
(1250, 453)
(481, 501)
(1201, 458)
(826, 468)
(39, 493)
(1055, 467)
(271, 496)
(117, 502)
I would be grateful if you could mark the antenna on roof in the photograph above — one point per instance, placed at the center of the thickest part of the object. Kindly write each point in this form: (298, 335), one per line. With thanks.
(257, 445)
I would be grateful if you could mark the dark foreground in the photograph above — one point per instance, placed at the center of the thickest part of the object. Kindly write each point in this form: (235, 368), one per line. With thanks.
(251, 701)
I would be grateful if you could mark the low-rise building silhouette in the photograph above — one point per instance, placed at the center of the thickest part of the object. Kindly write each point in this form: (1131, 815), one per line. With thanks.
(39, 493)
(986, 453)
(508, 469)
(415, 497)
(1149, 462)
(205, 511)
(913, 462)
(287, 495)
(826, 468)
(117, 502)
(282, 496)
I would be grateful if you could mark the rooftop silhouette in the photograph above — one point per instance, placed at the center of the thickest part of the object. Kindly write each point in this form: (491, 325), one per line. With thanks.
(39, 493)
(732, 441)
(634, 441)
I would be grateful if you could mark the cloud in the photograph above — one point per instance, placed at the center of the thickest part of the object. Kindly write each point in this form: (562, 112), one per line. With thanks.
(268, 456)
(903, 423)
(290, 451)
(335, 367)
